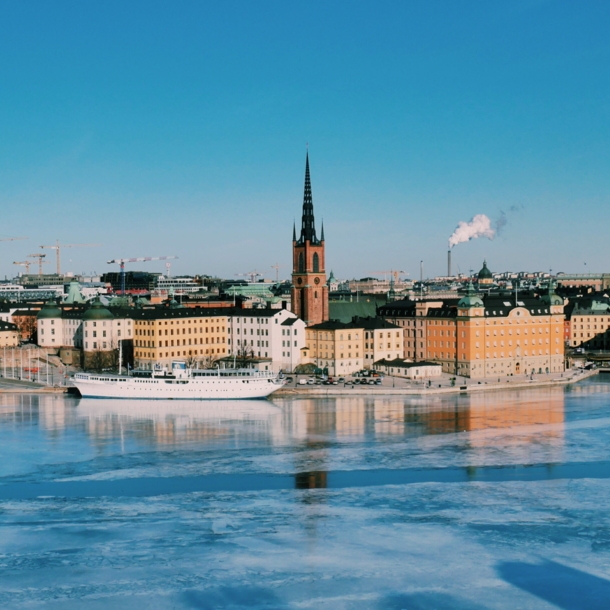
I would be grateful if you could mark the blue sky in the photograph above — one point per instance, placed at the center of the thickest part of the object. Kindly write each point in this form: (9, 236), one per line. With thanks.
(179, 128)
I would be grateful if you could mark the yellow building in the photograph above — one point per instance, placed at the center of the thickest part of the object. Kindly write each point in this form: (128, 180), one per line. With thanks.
(163, 335)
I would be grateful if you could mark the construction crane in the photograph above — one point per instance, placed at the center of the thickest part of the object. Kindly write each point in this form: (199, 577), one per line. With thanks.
(12, 238)
(392, 272)
(25, 264)
(41, 262)
(122, 261)
(58, 247)
(277, 271)
(252, 275)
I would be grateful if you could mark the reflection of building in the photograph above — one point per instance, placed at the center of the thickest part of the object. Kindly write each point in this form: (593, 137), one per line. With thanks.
(484, 335)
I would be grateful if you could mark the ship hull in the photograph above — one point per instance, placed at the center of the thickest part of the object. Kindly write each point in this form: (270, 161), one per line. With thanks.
(209, 388)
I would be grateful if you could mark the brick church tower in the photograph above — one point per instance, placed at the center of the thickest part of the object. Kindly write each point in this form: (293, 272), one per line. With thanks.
(309, 289)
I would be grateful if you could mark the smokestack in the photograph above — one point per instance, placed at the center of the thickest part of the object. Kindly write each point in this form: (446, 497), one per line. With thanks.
(449, 262)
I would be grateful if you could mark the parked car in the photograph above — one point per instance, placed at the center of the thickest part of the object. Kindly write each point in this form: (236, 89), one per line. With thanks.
(371, 382)
(377, 381)
(341, 379)
(289, 379)
(302, 381)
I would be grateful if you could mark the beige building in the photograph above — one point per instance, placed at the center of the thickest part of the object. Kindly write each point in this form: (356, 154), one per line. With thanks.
(9, 334)
(382, 340)
(336, 346)
(589, 326)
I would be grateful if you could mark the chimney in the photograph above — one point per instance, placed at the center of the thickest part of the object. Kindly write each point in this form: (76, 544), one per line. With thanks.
(449, 262)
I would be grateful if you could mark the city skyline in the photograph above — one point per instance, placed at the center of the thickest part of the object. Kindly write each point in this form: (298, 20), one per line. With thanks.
(182, 131)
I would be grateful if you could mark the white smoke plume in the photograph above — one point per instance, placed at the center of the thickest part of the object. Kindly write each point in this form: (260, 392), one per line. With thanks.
(479, 226)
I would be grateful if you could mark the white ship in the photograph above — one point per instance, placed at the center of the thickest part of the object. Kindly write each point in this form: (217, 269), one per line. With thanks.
(180, 383)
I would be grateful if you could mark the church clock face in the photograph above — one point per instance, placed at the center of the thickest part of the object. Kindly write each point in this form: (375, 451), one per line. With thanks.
(317, 280)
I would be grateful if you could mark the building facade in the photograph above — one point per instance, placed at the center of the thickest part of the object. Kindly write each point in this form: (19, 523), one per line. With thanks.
(161, 335)
(336, 346)
(275, 334)
(589, 325)
(309, 295)
(484, 335)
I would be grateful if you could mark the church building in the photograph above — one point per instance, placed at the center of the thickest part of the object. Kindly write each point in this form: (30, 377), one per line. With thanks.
(309, 288)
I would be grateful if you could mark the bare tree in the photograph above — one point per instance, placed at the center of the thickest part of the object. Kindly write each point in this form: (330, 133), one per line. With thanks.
(244, 356)
(27, 327)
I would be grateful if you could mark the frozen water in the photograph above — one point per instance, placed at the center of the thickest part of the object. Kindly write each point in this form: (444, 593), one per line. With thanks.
(305, 541)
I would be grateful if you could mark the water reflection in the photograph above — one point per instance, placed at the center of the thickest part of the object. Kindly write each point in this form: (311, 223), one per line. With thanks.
(316, 425)
(183, 422)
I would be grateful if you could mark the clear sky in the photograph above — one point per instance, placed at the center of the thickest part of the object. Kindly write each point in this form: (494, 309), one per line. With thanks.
(179, 128)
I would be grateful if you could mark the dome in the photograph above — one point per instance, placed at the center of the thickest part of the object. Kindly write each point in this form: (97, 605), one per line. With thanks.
(485, 273)
(471, 298)
(50, 310)
(552, 298)
(97, 311)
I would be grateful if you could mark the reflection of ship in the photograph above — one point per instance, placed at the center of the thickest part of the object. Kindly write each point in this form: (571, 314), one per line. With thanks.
(170, 422)
(181, 383)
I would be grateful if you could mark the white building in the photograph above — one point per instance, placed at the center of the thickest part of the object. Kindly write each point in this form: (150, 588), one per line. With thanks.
(277, 334)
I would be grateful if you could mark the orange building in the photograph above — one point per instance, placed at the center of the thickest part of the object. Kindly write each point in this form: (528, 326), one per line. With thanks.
(484, 335)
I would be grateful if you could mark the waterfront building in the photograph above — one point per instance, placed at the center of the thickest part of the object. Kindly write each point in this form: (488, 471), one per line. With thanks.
(335, 346)
(399, 367)
(309, 297)
(382, 340)
(484, 335)
(274, 334)
(163, 334)
(589, 324)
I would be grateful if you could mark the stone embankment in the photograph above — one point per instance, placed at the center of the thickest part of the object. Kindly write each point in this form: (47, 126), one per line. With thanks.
(421, 390)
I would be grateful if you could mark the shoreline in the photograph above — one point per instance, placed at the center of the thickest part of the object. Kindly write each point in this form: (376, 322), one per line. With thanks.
(300, 392)
(319, 391)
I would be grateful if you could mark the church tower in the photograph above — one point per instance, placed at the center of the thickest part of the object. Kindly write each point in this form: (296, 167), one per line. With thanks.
(309, 288)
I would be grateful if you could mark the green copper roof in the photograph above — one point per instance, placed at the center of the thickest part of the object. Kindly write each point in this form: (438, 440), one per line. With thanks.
(485, 273)
(471, 298)
(97, 311)
(50, 310)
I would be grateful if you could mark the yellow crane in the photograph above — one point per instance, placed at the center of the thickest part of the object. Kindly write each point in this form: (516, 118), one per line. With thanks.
(277, 271)
(41, 262)
(58, 247)
(25, 264)
(392, 272)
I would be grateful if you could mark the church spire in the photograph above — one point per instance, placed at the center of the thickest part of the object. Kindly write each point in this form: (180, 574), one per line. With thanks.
(322, 232)
(308, 228)
(294, 231)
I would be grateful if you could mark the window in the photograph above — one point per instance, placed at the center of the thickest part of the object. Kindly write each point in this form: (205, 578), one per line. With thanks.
(316, 263)
(301, 263)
